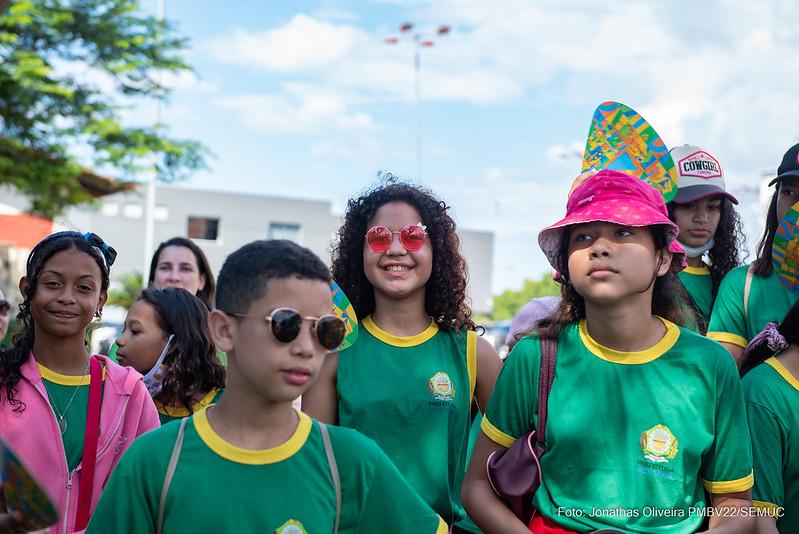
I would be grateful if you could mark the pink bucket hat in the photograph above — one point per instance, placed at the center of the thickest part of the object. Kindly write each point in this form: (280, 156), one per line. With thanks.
(614, 197)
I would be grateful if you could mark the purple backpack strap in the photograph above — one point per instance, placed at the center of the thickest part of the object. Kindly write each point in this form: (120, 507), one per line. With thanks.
(549, 351)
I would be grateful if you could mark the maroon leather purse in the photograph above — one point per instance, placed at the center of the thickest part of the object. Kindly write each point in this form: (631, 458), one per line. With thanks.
(515, 473)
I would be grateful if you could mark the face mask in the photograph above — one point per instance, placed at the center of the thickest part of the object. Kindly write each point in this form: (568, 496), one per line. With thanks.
(152, 380)
(692, 252)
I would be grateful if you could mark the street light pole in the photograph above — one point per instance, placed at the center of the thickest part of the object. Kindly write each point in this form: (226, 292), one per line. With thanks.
(418, 43)
(149, 208)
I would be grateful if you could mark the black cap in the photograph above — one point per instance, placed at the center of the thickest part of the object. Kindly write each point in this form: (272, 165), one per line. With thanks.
(789, 165)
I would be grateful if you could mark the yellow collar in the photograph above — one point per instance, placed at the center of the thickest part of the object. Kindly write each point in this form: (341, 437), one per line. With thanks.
(784, 372)
(632, 358)
(236, 454)
(64, 380)
(180, 411)
(702, 271)
(399, 341)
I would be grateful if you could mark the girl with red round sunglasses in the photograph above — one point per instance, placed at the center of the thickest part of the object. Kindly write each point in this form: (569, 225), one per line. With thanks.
(410, 378)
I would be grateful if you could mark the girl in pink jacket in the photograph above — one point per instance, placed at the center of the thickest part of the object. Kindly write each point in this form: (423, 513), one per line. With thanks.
(51, 389)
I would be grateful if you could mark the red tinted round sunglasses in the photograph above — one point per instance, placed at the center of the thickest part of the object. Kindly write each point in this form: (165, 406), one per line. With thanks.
(412, 237)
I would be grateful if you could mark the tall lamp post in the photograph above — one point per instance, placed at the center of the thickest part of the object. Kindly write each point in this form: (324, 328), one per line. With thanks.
(419, 41)
(149, 204)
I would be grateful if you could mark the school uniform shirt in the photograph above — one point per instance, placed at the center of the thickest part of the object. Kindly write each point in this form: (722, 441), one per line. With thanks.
(218, 487)
(772, 407)
(699, 285)
(634, 437)
(60, 391)
(171, 413)
(413, 395)
(768, 302)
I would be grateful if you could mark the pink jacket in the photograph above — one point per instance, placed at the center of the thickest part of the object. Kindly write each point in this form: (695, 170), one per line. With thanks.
(127, 411)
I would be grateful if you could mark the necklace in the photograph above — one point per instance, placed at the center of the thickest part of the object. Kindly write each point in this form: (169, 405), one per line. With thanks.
(62, 423)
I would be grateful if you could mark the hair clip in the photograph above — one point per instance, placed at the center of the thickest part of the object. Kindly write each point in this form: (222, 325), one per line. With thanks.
(108, 252)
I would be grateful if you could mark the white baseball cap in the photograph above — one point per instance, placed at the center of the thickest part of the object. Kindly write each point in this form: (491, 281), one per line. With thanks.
(699, 175)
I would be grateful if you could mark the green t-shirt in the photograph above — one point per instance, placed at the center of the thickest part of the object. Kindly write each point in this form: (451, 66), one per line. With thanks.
(768, 302)
(286, 489)
(634, 438)
(413, 396)
(60, 389)
(170, 413)
(772, 406)
(699, 285)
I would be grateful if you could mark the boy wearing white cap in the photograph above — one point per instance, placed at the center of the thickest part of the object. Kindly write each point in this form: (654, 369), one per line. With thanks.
(709, 226)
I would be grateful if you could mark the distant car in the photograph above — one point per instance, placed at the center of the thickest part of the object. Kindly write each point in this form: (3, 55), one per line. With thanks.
(496, 334)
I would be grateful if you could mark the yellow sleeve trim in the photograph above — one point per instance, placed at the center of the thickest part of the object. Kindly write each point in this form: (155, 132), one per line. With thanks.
(495, 434)
(730, 486)
(471, 361)
(764, 505)
(726, 337)
(442, 527)
(231, 452)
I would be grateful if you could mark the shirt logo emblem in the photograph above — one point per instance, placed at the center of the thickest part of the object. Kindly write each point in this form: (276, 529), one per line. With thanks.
(292, 526)
(441, 386)
(658, 444)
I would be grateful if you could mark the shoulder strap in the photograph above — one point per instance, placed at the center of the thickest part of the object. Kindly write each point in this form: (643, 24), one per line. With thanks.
(89, 459)
(471, 361)
(170, 472)
(549, 351)
(331, 462)
(747, 287)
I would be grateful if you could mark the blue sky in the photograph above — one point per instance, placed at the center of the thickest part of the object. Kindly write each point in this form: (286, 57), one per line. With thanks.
(304, 98)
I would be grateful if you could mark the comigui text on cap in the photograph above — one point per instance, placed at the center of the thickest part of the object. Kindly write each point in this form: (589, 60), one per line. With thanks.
(700, 164)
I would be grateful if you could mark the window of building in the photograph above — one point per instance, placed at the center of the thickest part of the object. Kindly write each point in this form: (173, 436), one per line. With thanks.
(284, 231)
(110, 209)
(161, 213)
(133, 211)
(203, 228)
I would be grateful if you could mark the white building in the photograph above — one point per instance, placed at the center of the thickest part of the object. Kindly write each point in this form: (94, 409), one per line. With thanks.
(221, 222)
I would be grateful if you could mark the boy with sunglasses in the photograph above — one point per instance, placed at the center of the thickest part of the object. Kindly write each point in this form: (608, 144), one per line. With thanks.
(279, 470)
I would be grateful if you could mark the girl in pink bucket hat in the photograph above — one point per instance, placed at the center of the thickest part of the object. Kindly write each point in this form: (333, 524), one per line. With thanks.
(643, 415)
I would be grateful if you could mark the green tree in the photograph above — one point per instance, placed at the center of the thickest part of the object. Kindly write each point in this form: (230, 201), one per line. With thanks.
(509, 302)
(126, 295)
(49, 116)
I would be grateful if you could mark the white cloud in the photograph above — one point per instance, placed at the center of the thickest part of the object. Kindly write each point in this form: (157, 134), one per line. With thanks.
(186, 80)
(303, 43)
(300, 108)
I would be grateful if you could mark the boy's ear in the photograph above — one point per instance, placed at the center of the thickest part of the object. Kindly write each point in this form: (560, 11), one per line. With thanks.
(223, 330)
(665, 262)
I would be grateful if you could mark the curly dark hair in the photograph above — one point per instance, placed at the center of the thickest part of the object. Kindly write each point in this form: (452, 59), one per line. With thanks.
(192, 367)
(668, 294)
(445, 292)
(11, 360)
(762, 265)
(729, 248)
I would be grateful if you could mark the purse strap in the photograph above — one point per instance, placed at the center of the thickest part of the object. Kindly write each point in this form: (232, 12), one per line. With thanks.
(89, 459)
(331, 463)
(549, 351)
(170, 472)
